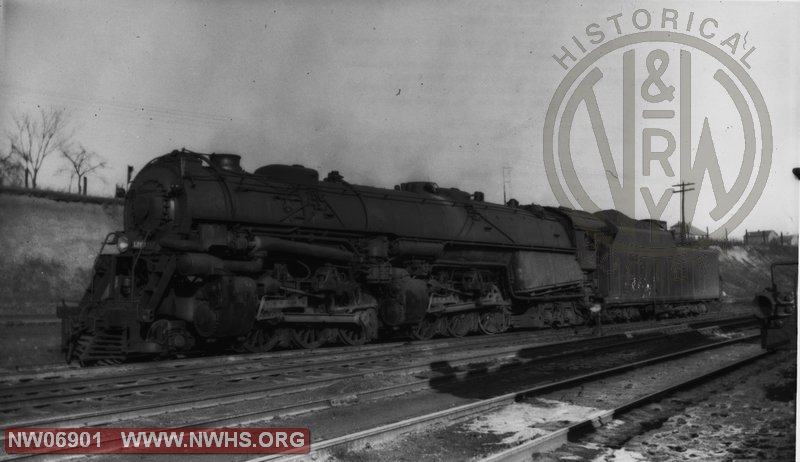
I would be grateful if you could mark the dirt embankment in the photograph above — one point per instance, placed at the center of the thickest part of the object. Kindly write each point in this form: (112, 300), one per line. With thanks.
(745, 270)
(48, 249)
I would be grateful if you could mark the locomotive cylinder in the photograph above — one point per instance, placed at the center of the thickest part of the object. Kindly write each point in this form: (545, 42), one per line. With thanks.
(200, 264)
(259, 243)
(178, 244)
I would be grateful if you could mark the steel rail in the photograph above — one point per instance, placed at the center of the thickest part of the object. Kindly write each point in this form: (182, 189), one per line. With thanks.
(291, 385)
(53, 390)
(325, 403)
(409, 425)
(382, 433)
(164, 375)
(50, 392)
(523, 452)
(54, 372)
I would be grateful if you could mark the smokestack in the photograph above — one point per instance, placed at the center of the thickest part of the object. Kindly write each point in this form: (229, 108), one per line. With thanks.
(229, 162)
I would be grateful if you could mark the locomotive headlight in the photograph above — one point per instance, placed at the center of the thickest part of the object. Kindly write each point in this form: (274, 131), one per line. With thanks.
(122, 243)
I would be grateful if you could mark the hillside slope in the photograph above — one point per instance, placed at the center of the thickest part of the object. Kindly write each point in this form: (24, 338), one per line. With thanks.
(745, 270)
(48, 248)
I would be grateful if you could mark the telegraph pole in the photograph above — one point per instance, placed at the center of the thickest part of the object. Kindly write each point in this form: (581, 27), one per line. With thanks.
(682, 190)
(506, 182)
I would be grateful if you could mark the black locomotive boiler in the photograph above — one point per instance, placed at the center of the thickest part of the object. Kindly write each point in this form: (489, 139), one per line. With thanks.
(212, 256)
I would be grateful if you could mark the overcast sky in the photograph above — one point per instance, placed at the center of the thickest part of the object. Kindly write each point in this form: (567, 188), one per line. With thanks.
(383, 91)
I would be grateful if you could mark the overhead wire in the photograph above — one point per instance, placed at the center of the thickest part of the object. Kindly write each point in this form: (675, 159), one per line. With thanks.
(139, 112)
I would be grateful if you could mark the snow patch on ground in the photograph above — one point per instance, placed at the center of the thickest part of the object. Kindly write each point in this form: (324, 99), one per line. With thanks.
(614, 424)
(739, 254)
(621, 455)
(520, 422)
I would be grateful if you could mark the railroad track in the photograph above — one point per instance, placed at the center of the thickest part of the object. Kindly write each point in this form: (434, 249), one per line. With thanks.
(43, 386)
(26, 374)
(55, 371)
(558, 437)
(72, 402)
(350, 444)
(276, 393)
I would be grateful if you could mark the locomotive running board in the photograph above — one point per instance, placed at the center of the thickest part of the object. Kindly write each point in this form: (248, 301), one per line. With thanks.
(320, 319)
(447, 309)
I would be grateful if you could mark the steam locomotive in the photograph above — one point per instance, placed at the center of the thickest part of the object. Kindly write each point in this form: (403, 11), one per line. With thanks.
(212, 256)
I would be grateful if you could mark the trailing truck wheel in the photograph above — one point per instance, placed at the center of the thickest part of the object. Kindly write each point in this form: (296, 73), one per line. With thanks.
(261, 339)
(494, 322)
(309, 337)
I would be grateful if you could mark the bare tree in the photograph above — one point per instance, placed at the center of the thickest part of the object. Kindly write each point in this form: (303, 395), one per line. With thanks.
(10, 169)
(81, 163)
(34, 138)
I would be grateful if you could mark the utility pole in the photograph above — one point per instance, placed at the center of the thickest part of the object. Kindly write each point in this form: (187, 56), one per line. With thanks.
(506, 181)
(682, 190)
